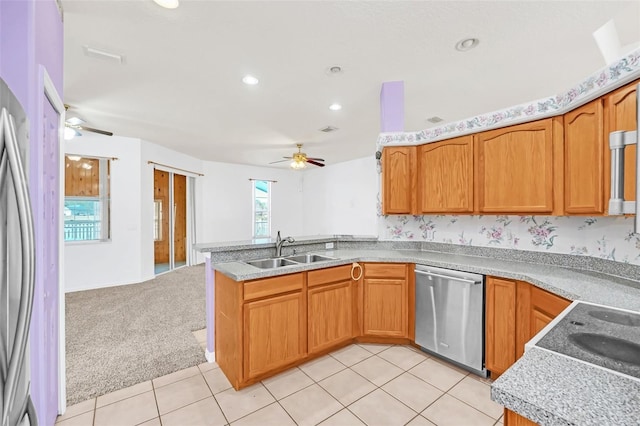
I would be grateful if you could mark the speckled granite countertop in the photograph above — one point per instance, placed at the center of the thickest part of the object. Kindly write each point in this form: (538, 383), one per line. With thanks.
(553, 389)
(565, 282)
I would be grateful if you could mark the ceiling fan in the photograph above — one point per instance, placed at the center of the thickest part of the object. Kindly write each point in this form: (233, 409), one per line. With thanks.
(73, 125)
(300, 159)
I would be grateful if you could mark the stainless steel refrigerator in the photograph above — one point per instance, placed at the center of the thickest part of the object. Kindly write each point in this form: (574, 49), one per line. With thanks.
(17, 257)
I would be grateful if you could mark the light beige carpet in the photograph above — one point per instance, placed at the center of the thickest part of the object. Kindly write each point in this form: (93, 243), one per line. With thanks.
(119, 336)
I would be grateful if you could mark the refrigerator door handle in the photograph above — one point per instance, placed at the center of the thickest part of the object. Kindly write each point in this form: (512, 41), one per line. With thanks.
(617, 142)
(25, 218)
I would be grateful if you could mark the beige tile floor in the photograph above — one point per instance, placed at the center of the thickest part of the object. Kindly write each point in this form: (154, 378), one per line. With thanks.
(361, 384)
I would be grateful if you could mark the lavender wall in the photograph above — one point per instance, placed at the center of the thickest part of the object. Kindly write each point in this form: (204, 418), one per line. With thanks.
(30, 37)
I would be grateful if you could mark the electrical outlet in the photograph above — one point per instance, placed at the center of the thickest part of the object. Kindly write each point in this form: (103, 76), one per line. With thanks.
(328, 246)
(430, 234)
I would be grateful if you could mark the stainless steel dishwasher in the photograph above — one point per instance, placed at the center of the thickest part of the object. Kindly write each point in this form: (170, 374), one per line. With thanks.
(450, 316)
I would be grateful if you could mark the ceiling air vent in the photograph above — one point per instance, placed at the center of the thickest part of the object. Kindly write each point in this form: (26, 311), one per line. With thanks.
(434, 119)
(328, 129)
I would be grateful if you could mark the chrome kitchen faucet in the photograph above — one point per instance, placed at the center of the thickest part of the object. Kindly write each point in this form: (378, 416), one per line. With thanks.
(280, 242)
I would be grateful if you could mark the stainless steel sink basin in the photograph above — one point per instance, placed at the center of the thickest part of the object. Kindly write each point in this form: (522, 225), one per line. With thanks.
(309, 258)
(271, 263)
(609, 347)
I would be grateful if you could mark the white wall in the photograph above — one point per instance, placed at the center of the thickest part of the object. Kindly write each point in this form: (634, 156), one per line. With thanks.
(223, 208)
(225, 202)
(99, 264)
(341, 198)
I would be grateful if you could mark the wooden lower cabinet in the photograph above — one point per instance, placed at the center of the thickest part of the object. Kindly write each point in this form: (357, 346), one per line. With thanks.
(274, 333)
(515, 419)
(385, 300)
(330, 315)
(500, 322)
(515, 312)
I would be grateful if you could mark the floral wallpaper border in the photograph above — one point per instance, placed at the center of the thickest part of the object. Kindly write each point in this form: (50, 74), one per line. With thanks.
(625, 67)
(609, 238)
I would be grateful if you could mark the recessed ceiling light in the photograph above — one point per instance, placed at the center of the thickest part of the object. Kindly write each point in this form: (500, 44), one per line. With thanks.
(334, 70)
(335, 107)
(250, 80)
(168, 4)
(467, 44)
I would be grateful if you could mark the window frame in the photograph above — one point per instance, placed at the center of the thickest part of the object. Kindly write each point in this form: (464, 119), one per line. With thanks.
(254, 211)
(103, 198)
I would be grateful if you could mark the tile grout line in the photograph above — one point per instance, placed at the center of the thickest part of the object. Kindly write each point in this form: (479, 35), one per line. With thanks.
(214, 395)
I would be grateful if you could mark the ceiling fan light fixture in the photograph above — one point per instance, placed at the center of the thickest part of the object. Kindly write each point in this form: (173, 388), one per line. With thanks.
(250, 80)
(74, 121)
(298, 165)
(70, 133)
(168, 4)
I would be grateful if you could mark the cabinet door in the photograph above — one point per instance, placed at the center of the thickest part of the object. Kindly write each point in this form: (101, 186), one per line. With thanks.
(398, 180)
(330, 315)
(544, 308)
(620, 114)
(500, 320)
(385, 307)
(274, 333)
(445, 176)
(584, 159)
(515, 169)
(515, 419)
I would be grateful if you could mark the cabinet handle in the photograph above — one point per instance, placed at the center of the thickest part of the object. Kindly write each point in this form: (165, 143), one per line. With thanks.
(353, 268)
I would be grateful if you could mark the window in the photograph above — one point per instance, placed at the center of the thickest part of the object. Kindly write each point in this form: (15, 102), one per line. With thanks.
(157, 220)
(86, 199)
(261, 208)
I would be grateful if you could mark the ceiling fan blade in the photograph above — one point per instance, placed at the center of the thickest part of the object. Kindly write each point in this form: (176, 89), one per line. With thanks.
(91, 129)
(315, 159)
(315, 163)
(288, 158)
(279, 161)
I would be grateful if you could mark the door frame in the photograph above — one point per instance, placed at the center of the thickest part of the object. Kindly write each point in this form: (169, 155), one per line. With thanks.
(48, 89)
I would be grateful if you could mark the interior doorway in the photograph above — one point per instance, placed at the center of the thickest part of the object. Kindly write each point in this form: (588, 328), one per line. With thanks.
(170, 220)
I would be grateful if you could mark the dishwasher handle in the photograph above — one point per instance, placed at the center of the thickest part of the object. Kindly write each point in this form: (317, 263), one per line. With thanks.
(448, 277)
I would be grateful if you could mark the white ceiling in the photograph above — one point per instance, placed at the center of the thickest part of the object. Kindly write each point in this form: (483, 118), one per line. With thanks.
(180, 84)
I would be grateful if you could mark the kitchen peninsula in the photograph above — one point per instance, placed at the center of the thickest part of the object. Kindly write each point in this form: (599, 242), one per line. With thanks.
(570, 277)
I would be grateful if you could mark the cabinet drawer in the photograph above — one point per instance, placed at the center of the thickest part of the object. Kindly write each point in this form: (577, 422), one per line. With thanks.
(385, 270)
(270, 286)
(329, 275)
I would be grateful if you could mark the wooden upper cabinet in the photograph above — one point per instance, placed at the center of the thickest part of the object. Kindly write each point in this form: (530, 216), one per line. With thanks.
(620, 114)
(584, 159)
(445, 176)
(519, 168)
(398, 180)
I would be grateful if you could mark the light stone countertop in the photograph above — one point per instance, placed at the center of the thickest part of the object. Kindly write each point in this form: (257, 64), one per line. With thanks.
(547, 387)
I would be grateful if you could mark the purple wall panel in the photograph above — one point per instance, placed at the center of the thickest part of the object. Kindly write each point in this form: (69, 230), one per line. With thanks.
(210, 303)
(392, 107)
(31, 35)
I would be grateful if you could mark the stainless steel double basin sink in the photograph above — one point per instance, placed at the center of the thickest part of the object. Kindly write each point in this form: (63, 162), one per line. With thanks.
(279, 262)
